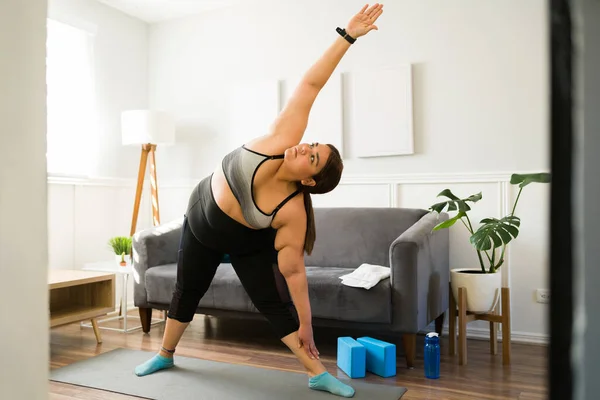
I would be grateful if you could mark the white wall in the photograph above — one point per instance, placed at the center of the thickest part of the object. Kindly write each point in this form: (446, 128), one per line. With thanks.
(480, 106)
(23, 235)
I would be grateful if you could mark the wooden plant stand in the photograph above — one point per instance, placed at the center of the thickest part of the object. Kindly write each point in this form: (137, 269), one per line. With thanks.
(465, 317)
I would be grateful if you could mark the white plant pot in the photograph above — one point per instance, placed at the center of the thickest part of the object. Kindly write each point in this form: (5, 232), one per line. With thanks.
(483, 290)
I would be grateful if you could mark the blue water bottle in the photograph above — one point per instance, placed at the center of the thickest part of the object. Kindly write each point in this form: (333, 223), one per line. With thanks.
(432, 355)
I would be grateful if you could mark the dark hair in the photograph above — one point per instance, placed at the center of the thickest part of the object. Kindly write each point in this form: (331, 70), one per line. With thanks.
(326, 180)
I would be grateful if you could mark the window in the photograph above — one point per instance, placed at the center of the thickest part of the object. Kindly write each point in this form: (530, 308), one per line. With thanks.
(71, 100)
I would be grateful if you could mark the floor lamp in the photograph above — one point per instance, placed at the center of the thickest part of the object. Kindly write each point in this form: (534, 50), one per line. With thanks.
(147, 128)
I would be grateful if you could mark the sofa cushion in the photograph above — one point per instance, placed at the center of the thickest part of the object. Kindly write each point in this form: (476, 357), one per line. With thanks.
(328, 297)
(160, 283)
(349, 237)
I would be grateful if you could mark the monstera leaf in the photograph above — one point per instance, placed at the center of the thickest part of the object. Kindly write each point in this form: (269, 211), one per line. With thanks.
(496, 232)
(449, 222)
(525, 179)
(453, 204)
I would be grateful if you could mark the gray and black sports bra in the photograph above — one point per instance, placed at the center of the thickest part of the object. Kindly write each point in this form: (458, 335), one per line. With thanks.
(240, 168)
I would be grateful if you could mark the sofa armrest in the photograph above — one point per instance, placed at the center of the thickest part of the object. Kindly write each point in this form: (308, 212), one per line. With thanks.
(151, 247)
(419, 261)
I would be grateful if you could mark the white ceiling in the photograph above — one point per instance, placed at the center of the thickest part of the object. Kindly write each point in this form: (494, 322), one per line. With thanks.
(160, 10)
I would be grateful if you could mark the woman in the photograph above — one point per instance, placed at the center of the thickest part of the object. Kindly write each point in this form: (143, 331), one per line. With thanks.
(256, 207)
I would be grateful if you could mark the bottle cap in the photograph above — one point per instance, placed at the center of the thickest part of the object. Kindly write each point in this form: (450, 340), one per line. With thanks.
(432, 334)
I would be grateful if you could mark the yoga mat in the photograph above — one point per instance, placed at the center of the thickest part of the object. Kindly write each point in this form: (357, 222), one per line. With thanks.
(193, 378)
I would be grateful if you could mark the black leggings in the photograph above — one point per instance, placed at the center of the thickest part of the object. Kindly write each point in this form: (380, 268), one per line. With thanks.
(207, 234)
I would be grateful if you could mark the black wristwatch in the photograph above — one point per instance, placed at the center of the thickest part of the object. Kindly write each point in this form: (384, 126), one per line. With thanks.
(343, 33)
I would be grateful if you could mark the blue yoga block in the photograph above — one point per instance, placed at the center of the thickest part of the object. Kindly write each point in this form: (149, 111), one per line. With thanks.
(381, 356)
(351, 357)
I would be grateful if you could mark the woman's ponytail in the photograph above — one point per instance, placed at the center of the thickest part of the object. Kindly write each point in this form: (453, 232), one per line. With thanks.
(309, 239)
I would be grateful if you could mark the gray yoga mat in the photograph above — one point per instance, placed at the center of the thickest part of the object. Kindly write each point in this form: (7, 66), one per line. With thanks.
(198, 379)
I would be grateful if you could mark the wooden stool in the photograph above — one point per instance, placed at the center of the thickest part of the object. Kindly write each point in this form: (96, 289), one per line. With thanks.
(465, 317)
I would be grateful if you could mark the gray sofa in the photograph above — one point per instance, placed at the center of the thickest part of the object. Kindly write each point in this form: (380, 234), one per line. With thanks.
(415, 295)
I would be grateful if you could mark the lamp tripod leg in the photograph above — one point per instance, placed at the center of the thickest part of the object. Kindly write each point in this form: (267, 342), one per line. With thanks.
(154, 186)
(140, 185)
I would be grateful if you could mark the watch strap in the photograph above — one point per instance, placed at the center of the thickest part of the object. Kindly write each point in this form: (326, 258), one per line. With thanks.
(345, 35)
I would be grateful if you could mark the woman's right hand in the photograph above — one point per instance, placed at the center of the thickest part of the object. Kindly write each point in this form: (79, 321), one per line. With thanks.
(364, 22)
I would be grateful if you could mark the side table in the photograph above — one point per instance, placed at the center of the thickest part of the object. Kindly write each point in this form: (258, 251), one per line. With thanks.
(123, 273)
(80, 295)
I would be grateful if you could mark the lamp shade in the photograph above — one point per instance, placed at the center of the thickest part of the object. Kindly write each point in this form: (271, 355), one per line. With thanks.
(147, 126)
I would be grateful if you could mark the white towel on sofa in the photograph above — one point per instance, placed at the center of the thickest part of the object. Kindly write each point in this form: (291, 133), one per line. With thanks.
(366, 276)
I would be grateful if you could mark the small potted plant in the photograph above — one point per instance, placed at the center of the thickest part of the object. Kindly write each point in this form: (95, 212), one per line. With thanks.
(483, 284)
(121, 246)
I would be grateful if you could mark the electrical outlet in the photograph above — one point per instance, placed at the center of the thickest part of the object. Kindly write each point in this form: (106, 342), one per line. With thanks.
(542, 295)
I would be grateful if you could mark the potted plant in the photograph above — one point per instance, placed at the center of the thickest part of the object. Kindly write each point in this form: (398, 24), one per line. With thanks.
(483, 284)
(121, 246)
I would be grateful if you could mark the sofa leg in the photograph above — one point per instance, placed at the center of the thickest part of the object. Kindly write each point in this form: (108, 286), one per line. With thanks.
(146, 318)
(409, 340)
(439, 324)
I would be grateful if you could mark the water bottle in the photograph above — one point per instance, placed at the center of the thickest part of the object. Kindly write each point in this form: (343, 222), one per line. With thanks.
(432, 355)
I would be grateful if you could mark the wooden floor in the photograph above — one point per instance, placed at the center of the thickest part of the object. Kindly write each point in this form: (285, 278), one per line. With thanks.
(252, 343)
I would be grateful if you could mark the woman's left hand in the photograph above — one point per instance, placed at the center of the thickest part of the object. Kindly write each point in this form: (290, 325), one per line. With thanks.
(305, 339)
(364, 22)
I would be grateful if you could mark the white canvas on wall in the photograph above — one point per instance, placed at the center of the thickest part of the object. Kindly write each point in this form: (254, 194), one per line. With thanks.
(382, 112)
(325, 121)
(253, 107)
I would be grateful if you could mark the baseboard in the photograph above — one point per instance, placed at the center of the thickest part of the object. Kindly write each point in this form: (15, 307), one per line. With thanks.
(484, 334)
(515, 337)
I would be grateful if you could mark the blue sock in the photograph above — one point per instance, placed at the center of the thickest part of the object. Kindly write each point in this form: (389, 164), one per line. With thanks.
(154, 364)
(329, 383)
